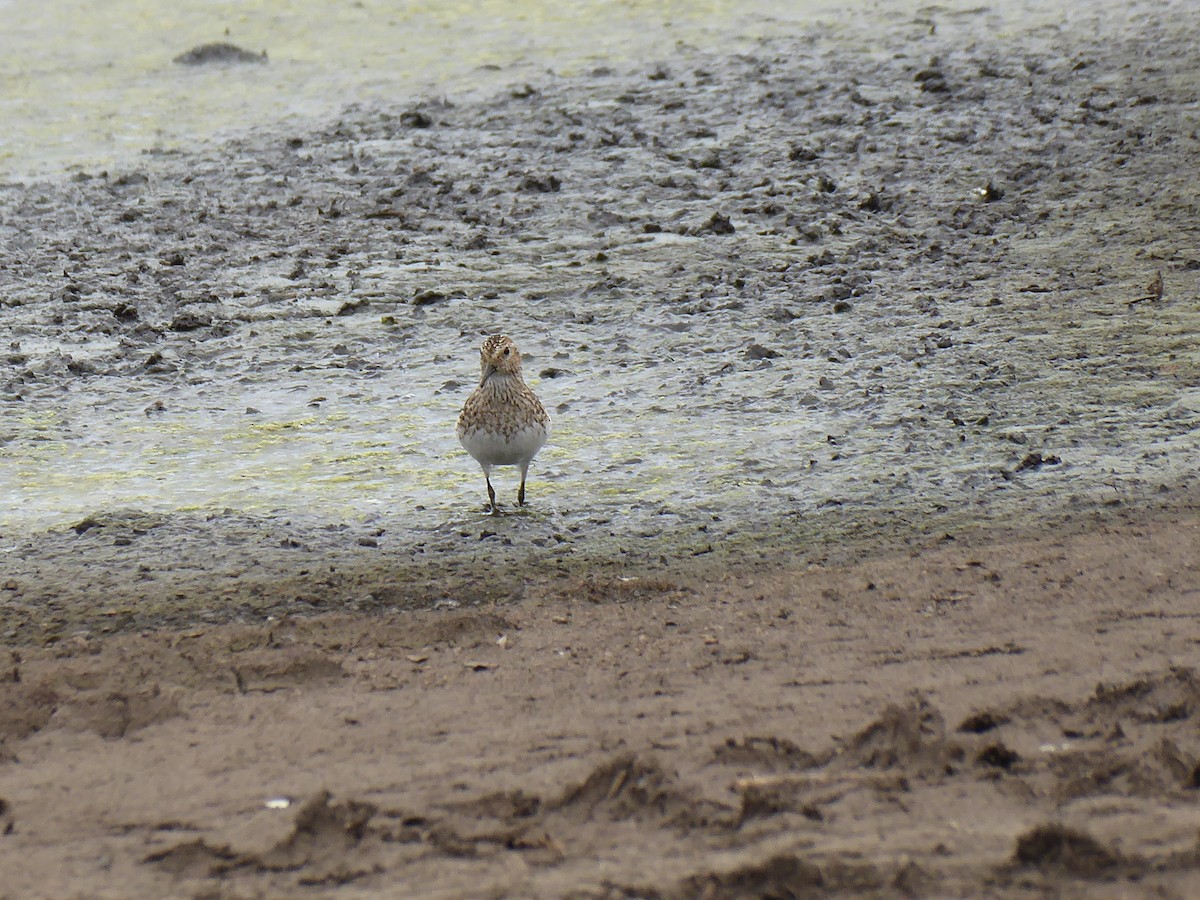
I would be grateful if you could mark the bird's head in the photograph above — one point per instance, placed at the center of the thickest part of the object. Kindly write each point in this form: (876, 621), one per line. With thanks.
(499, 355)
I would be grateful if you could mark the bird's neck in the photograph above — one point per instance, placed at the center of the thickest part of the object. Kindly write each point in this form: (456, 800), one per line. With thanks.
(501, 381)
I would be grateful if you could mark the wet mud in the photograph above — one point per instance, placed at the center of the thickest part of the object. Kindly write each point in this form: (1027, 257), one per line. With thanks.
(837, 291)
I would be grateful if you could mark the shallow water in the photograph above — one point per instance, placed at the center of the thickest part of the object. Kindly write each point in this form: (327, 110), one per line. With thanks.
(92, 85)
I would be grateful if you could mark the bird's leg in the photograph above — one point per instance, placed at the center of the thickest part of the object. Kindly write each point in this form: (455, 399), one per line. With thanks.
(491, 493)
(521, 489)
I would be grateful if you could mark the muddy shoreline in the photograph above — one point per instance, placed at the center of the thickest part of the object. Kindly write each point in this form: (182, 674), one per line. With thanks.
(828, 293)
(863, 559)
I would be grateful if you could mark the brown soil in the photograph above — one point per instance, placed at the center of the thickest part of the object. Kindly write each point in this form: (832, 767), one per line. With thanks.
(1005, 716)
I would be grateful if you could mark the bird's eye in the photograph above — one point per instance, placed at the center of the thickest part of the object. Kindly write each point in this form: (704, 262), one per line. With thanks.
(506, 349)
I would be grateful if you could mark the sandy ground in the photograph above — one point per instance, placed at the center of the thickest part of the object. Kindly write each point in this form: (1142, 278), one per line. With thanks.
(862, 560)
(1002, 716)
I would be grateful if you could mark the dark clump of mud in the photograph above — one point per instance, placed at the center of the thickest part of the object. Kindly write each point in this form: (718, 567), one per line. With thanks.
(1074, 852)
(912, 738)
(219, 52)
(779, 876)
(764, 754)
(324, 835)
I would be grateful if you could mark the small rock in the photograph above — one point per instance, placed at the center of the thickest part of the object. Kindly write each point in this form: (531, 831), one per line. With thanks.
(825, 184)
(758, 351)
(801, 153)
(932, 80)
(544, 184)
(428, 297)
(157, 363)
(716, 224)
(990, 193)
(1036, 460)
(130, 179)
(871, 203)
(189, 321)
(414, 118)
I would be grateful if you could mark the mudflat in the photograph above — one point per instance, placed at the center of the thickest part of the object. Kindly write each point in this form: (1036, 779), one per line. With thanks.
(863, 558)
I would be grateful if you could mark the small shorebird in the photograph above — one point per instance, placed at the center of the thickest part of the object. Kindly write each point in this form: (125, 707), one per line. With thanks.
(502, 423)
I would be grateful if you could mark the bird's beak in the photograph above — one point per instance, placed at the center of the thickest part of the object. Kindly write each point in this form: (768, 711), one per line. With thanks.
(488, 371)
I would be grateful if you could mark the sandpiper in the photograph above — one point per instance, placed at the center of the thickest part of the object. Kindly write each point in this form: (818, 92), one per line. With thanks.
(502, 423)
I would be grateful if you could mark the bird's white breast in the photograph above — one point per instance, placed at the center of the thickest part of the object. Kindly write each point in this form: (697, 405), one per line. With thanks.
(490, 448)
